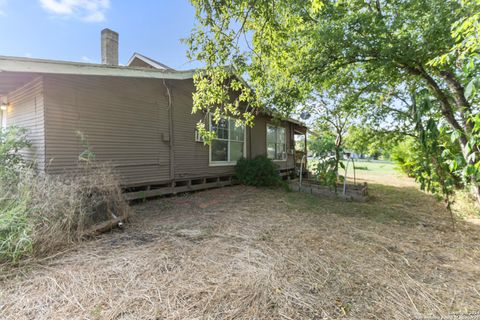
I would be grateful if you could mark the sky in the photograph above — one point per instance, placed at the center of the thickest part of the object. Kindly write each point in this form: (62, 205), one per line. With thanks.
(70, 29)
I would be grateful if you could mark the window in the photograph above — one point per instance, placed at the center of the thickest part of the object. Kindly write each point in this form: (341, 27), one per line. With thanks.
(276, 146)
(229, 145)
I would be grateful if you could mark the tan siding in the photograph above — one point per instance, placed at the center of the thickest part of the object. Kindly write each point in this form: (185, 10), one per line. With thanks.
(259, 141)
(191, 158)
(26, 110)
(259, 137)
(126, 122)
(123, 119)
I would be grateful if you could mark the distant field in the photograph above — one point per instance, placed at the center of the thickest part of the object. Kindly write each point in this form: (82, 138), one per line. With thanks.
(376, 166)
(373, 167)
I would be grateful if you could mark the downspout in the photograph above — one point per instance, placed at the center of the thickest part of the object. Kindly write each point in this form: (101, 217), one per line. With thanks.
(170, 128)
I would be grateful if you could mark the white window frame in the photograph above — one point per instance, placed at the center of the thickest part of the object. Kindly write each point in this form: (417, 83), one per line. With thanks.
(228, 162)
(3, 119)
(266, 141)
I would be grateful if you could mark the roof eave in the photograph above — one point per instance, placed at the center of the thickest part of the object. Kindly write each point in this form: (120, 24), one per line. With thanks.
(27, 65)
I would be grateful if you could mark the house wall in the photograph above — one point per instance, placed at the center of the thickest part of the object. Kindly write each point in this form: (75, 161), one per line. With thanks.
(127, 122)
(26, 110)
(191, 157)
(259, 144)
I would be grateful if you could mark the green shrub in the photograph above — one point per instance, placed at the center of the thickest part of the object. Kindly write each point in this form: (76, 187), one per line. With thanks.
(260, 172)
(12, 141)
(324, 172)
(405, 157)
(15, 240)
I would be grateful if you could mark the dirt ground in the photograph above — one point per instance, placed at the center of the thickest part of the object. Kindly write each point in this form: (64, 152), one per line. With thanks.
(247, 253)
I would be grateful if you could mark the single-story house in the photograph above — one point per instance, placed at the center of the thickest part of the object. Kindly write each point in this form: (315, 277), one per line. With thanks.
(138, 117)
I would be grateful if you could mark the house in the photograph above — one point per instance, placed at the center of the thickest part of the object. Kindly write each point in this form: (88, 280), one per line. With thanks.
(137, 117)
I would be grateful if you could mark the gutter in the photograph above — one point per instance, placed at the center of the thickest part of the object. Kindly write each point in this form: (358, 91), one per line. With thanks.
(41, 66)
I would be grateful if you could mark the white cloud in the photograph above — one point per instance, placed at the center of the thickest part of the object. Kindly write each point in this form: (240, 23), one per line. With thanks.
(86, 59)
(3, 4)
(87, 10)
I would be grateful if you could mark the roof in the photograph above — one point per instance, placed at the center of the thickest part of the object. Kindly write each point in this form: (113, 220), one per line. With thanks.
(15, 71)
(154, 63)
(29, 65)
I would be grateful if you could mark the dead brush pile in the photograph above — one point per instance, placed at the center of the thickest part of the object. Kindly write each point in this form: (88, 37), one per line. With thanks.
(40, 214)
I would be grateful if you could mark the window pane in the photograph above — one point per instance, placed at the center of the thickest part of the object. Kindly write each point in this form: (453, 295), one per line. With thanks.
(221, 129)
(236, 132)
(280, 135)
(271, 134)
(280, 155)
(236, 150)
(271, 150)
(219, 150)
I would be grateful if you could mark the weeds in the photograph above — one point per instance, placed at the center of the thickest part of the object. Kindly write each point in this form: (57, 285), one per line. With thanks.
(40, 214)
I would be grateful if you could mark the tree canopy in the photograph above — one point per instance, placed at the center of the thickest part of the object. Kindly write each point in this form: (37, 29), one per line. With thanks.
(407, 59)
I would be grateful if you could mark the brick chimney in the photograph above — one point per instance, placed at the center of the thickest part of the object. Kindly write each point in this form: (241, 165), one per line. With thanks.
(109, 47)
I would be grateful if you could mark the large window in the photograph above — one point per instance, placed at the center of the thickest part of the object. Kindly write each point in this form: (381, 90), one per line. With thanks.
(276, 143)
(229, 145)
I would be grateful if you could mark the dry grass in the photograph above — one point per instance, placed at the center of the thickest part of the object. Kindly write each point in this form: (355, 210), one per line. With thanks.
(64, 207)
(54, 210)
(249, 253)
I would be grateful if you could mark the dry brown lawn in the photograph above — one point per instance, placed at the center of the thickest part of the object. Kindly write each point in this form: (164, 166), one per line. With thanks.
(248, 253)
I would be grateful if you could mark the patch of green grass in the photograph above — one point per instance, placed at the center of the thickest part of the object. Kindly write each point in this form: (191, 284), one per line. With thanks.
(372, 165)
(389, 204)
(375, 166)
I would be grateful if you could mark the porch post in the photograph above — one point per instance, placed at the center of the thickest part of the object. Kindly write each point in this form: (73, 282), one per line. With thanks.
(305, 150)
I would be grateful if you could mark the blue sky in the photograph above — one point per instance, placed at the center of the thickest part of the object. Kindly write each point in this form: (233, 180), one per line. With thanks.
(70, 29)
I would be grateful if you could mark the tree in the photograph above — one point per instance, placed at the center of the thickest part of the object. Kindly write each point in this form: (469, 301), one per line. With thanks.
(293, 48)
(334, 113)
(359, 140)
(321, 143)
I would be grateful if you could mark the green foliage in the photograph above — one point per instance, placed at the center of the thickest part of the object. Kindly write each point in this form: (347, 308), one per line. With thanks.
(364, 140)
(403, 155)
(295, 50)
(260, 172)
(87, 156)
(428, 160)
(12, 141)
(321, 144)
(325, 172)
(465, 33)
(15, 230)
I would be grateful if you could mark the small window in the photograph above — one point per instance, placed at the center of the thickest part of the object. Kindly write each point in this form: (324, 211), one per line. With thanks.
(276, 143)
(229, 145)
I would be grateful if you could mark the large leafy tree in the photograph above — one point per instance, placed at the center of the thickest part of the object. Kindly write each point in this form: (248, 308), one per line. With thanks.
(289, 49)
